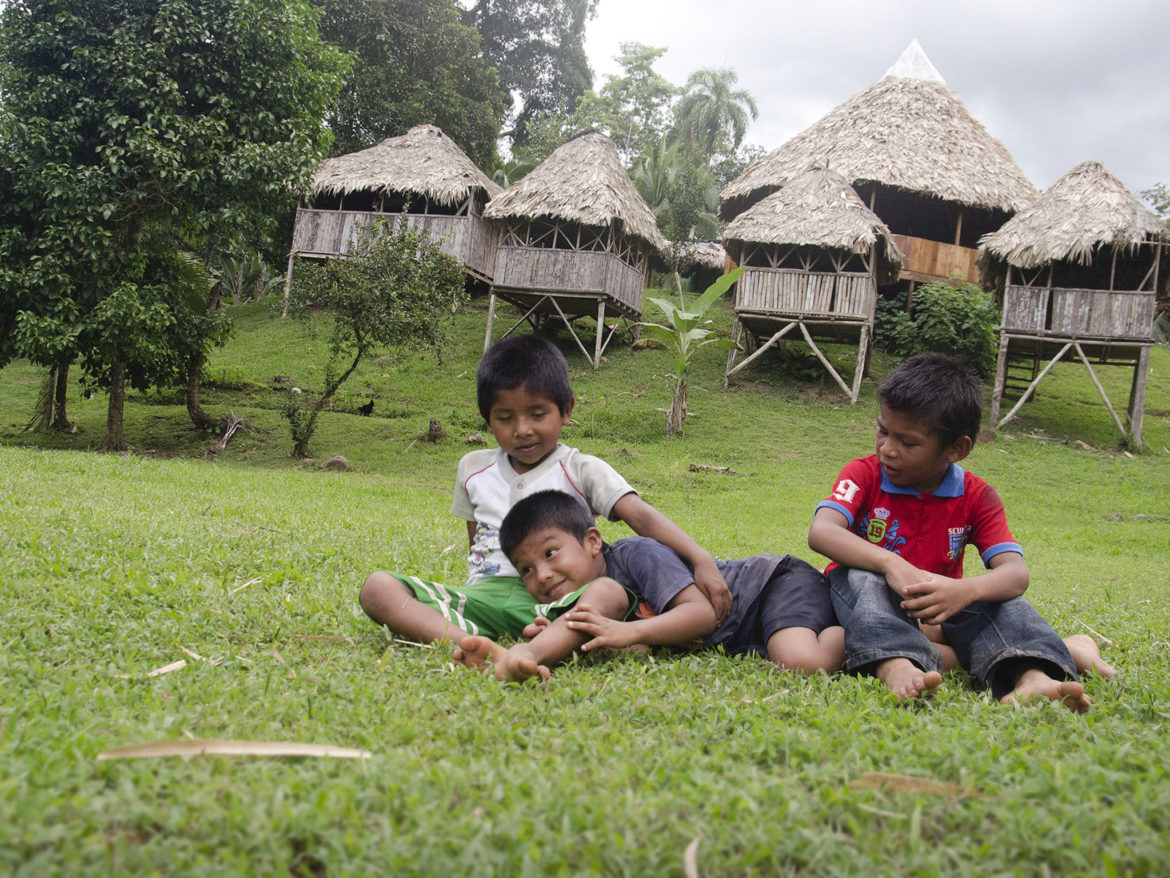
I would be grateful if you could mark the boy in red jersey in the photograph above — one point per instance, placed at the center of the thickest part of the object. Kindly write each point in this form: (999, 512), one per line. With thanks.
(895, 528)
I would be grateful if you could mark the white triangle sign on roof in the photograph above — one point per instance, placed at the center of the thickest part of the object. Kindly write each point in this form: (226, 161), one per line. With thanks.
(913, 64)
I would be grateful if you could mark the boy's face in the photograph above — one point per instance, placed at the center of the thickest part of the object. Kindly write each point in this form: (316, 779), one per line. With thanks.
(553, 563)
(527, 426)
(911, 454)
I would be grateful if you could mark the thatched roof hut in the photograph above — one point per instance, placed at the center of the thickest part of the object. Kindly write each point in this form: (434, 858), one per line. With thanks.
(582, 182)
(423, 162)
(908, 132)
(1085, 211)
(812, 255)
(422, 172)
(1081, 270)
(816, 209)
(576, 239)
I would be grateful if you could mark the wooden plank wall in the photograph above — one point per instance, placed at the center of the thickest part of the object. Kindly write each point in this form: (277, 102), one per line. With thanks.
(924, 260)
(544, 269)
(469, 239)
(797, 293)
(1057, 311)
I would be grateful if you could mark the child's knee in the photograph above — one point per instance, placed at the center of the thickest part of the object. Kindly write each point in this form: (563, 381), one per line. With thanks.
(378, 587)
(801, 649)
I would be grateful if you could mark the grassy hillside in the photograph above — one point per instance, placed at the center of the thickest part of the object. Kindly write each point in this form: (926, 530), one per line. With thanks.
(112, 566)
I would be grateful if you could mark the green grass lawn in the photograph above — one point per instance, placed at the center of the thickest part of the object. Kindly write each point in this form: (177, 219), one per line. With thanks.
(112, 566)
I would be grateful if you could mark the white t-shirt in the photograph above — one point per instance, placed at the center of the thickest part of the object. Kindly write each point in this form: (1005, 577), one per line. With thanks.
(486, 487)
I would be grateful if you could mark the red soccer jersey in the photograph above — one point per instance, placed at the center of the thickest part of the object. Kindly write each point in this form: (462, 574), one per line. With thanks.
(928, 530)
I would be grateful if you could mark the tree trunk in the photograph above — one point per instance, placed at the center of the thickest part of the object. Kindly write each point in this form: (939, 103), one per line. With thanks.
(115, 440)
(678, 411)
(60, 418)
(195, 370)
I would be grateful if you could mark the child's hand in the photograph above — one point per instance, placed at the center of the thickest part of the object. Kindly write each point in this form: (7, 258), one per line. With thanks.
(535, 627)
(711, 583)
(936, 600)
(604, 630)
(901, 574)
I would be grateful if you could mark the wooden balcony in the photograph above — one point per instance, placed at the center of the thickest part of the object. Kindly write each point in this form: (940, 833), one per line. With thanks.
(924, 261)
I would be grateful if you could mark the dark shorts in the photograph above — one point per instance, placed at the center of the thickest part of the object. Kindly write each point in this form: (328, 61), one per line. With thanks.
(797, 596)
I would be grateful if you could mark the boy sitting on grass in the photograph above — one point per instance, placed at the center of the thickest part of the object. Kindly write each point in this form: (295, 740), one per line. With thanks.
(895, 527)
(781, 605)
(523, 391)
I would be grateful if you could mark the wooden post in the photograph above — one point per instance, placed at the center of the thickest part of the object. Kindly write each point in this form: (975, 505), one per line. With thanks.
(600, 333)
(1137, 397)
(1000, 381)
(487, 338)
(288, 282)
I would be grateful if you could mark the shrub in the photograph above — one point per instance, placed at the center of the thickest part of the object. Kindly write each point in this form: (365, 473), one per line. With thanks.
(952, 317)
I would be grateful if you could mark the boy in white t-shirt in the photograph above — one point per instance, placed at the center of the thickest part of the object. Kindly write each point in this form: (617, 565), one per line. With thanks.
(524, 395)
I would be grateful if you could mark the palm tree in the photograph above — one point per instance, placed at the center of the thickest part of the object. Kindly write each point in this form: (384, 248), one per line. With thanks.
(711, 105)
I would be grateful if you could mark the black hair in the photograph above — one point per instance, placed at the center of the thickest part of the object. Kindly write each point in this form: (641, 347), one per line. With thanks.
(527, 361)
(544, 509)
(945, 393)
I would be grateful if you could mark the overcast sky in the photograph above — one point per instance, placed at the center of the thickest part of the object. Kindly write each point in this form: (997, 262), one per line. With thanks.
(1058, 83)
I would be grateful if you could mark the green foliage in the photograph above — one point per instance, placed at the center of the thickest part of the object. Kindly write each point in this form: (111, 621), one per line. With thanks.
(953, 317)
(1159, 198)
(538, 49)
(396, 289)
(131, 125)
(682, 193)
(632, 109)
(415, 63)
(684, 333)
(712, 109)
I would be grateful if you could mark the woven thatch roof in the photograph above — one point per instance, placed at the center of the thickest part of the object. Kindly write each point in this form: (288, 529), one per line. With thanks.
(424, 161)
(583, 181)
(1086, 208)
(907, 131)
(817, 208)
(703, 254)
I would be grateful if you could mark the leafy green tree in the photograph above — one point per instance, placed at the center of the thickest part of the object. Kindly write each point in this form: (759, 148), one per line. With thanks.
(396, 289)
(538, 48)
(952, 317)
(1159, 198)
(130, 123)
(677, 186)
(683, 334)
(416, 62)
(712, 108)
(632, 109)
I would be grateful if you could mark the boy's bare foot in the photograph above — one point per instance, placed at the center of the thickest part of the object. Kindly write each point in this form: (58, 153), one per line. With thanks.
(1087, 656)
(475, 651)
(1034, 683)
(906, 680)
(518, 665)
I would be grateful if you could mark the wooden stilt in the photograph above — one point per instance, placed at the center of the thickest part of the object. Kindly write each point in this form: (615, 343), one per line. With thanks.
(859, 369)
(288, 283)
(1000, 381)
(487, 337)
(760, 350)
(824, 360)
(1100, 389)
(736, 328)
(600, 333)
(1032, 387)
(1137, 397)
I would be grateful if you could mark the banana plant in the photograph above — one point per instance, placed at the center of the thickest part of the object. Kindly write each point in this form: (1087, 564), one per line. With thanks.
(683, 333)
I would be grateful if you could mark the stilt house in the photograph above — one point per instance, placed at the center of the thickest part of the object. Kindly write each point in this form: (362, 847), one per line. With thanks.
(813, 255)
(422, 172)
(1081, 270)
(576, 240)
(916, 157)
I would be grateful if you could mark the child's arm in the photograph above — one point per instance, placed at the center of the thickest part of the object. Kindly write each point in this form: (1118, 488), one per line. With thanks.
(936, 600)
(647, 521)
(830, 535)
(689, 616)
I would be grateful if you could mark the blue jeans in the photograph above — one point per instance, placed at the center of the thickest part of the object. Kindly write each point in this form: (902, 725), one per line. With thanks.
(995, 641)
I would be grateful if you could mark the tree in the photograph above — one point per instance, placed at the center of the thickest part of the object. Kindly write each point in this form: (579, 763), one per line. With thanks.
(683, 334)
(538, 47)
(711, 108)
(396, 289)
(1158, 196)
(415, 63)
(130, 124)
(677, 186)
(633, 109)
